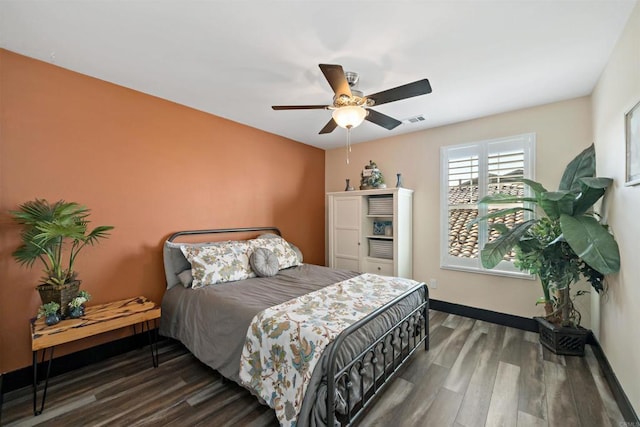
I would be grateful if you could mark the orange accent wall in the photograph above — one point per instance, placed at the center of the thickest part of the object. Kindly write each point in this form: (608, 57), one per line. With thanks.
(145, 165)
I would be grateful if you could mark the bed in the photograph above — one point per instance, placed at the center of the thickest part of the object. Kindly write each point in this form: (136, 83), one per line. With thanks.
(215, 323)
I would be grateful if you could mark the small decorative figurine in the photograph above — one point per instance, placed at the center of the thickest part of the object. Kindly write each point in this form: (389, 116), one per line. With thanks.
(371, 177)
(349, 187)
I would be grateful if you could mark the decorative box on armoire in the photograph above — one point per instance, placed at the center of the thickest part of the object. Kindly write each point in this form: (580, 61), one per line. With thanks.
(371, 231)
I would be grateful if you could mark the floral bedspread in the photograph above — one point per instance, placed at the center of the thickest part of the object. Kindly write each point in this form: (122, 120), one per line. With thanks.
(285, 342)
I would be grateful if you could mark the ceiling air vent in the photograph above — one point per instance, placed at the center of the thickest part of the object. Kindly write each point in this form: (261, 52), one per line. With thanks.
(415, 119)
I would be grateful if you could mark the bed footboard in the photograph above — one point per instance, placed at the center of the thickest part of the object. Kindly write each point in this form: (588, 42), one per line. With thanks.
(353, 387)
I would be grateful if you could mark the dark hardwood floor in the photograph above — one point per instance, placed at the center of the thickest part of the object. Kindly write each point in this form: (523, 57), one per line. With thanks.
(476, 374)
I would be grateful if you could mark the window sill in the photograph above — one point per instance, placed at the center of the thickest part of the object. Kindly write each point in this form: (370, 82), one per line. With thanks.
(494, 272)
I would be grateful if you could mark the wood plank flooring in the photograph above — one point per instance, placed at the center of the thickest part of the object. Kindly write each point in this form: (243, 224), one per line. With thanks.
(475, 374)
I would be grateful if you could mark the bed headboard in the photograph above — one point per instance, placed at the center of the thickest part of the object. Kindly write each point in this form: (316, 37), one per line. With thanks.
(174, 260)
(222, 231)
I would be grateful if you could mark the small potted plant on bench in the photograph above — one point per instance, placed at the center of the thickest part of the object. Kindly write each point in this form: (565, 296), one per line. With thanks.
(76, 306)
(50, 313)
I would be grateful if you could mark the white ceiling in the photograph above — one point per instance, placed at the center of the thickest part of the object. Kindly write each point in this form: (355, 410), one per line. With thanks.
(237, 58)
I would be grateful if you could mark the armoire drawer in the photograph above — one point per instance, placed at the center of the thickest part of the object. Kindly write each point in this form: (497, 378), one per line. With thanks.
(383, 268)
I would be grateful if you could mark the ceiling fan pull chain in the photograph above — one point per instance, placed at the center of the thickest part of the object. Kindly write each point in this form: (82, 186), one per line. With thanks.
(348, 143)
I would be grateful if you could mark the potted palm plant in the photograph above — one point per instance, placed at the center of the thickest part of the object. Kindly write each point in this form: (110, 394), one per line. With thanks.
(54, 234)
(565, 242)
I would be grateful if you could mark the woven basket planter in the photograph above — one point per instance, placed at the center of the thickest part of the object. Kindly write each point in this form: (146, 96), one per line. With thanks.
(562, 340)
(60, 294)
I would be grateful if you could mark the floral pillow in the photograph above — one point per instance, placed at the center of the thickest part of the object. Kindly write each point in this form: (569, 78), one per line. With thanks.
(219, 263)
(293, 247)
(287, 257)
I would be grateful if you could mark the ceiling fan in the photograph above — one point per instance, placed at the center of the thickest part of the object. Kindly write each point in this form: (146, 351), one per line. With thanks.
(350, 107)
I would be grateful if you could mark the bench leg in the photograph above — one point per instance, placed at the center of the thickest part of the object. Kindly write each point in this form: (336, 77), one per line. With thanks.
(152, 334)
(37, 411)
(1, 397)
(153, 342)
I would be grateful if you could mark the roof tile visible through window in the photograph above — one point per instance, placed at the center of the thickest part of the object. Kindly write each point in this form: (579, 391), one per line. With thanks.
(469, 193)
(463, 242)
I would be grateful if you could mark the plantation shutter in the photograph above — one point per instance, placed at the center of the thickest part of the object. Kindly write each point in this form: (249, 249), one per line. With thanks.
(469, 173)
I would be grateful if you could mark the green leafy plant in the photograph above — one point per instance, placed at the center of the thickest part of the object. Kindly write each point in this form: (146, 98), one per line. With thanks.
(48, 309)
(373, 177)
(566, 242)
(376, 178)
(55, 233)
(83, 297)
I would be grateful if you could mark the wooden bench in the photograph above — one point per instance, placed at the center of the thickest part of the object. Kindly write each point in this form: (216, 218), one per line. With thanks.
(96, 320)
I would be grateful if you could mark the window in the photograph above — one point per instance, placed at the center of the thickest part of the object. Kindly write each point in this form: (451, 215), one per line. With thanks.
(468, 173)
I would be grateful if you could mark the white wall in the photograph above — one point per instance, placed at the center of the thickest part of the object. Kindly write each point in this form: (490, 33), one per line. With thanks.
(616, 315)
(562, 130)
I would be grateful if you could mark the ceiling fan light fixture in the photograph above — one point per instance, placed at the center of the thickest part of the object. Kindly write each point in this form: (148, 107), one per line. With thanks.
(350, 107)
(350, 116)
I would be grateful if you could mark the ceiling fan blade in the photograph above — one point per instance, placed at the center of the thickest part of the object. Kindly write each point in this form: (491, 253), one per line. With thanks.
(329, 127)
(299, 107)
(335, 76)
(382, 119)
(421, 87)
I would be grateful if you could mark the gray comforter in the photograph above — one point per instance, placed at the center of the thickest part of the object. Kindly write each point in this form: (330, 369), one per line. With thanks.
(212, 322)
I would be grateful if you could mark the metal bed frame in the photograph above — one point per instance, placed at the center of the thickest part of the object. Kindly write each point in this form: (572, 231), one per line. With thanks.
(395, 347)
(408, 334)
